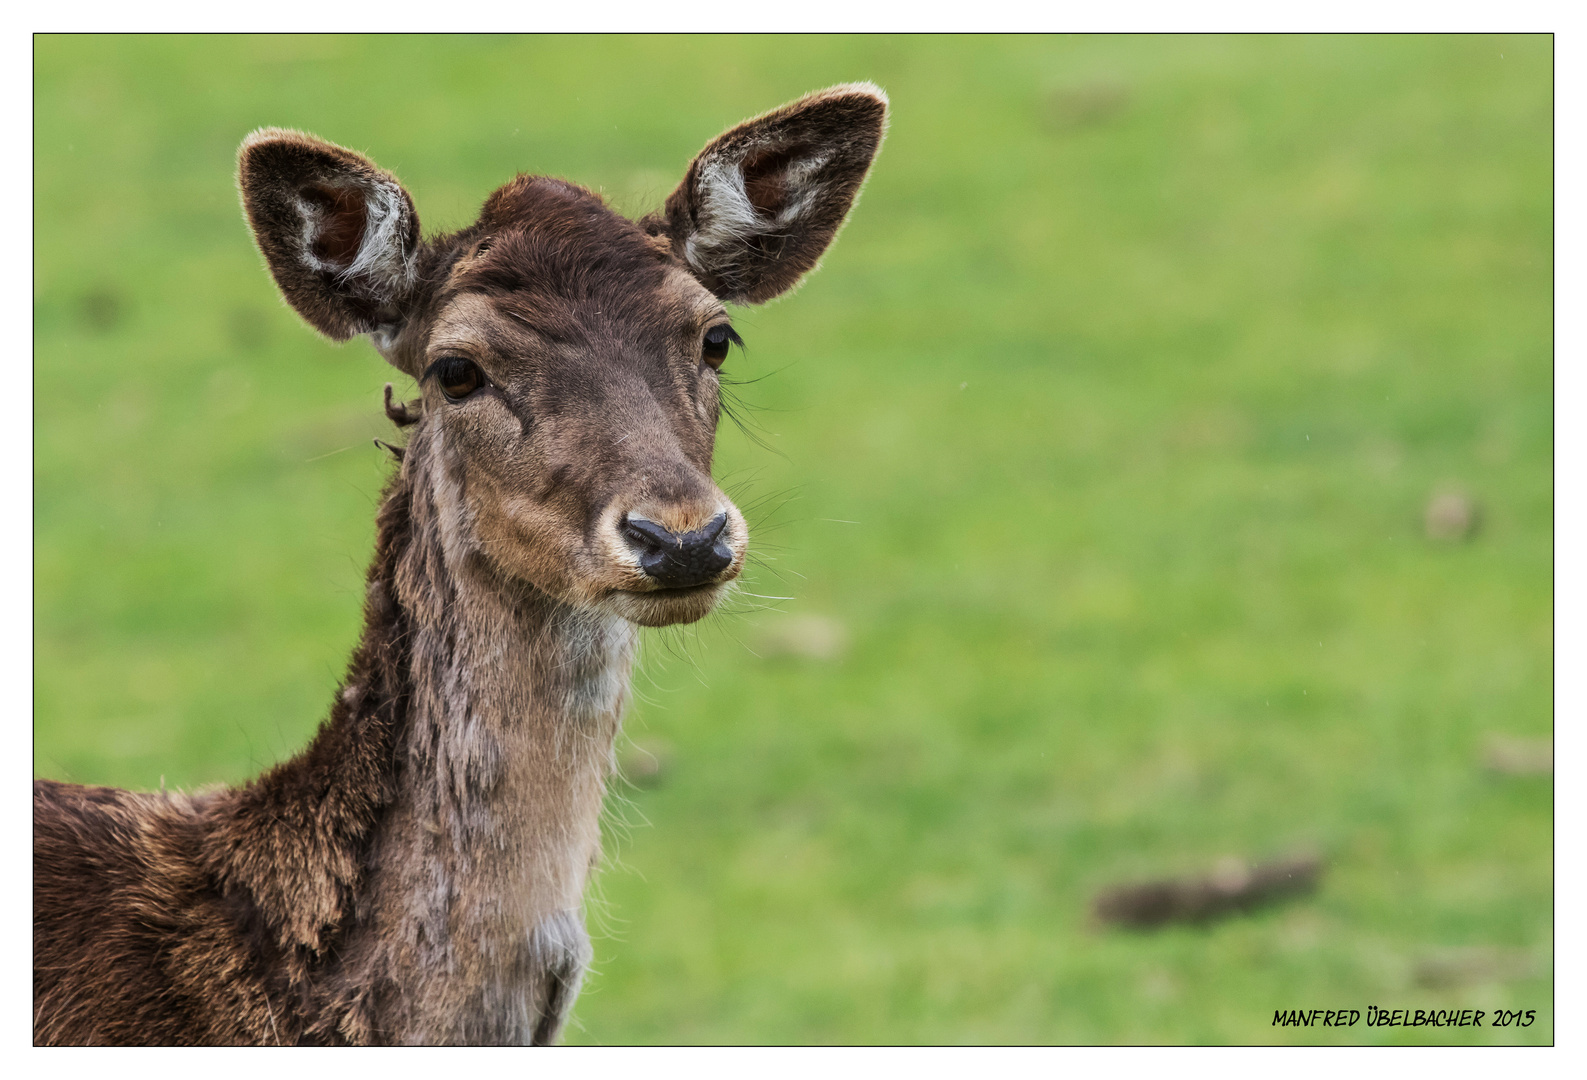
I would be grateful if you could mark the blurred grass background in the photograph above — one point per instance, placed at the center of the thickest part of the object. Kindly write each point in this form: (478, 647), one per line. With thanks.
(1102, 445)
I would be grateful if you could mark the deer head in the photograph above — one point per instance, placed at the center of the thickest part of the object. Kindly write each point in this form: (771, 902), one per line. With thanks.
(568, 357)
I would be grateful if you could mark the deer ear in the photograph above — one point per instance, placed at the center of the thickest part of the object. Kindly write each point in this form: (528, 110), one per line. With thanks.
(764, 200)
(339, 233)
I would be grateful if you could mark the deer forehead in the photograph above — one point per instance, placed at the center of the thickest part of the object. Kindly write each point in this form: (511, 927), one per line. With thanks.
(534, 320)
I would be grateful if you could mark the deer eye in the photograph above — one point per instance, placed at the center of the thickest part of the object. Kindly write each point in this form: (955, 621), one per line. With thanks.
(458, 377)
(714, 349)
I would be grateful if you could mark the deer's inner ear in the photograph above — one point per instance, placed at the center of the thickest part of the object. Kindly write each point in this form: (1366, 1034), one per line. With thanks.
(345, 216)
(766, 177)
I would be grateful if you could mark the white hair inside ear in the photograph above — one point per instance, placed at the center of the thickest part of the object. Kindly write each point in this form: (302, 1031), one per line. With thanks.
(380, 259)
(728, 217)
(381, 255)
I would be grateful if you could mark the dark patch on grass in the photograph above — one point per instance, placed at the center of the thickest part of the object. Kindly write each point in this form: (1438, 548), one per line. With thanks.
(1232, 888)
(102, 309)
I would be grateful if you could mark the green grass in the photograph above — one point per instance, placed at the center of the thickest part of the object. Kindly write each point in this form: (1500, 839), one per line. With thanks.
(1105, 432)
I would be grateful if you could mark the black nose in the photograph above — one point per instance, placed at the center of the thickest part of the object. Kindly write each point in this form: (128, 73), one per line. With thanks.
(677, 561)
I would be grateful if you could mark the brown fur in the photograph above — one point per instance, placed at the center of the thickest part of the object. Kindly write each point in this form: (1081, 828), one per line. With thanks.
(416, 874)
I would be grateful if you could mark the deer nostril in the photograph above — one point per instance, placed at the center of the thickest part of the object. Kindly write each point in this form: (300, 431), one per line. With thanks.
(643, 533)
(676, 560)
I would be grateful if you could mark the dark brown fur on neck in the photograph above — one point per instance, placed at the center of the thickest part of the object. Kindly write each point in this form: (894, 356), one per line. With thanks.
(216, 918)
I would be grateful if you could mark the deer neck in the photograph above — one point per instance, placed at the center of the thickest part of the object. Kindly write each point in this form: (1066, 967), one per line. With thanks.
(479, 867)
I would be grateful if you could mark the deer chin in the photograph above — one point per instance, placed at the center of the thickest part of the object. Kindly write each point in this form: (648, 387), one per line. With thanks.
(665, 607)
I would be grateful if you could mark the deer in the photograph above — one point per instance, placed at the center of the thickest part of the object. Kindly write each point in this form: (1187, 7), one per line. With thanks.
(416, 874)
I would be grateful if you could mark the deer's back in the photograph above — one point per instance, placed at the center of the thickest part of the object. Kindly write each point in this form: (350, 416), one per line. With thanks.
(132, 943)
